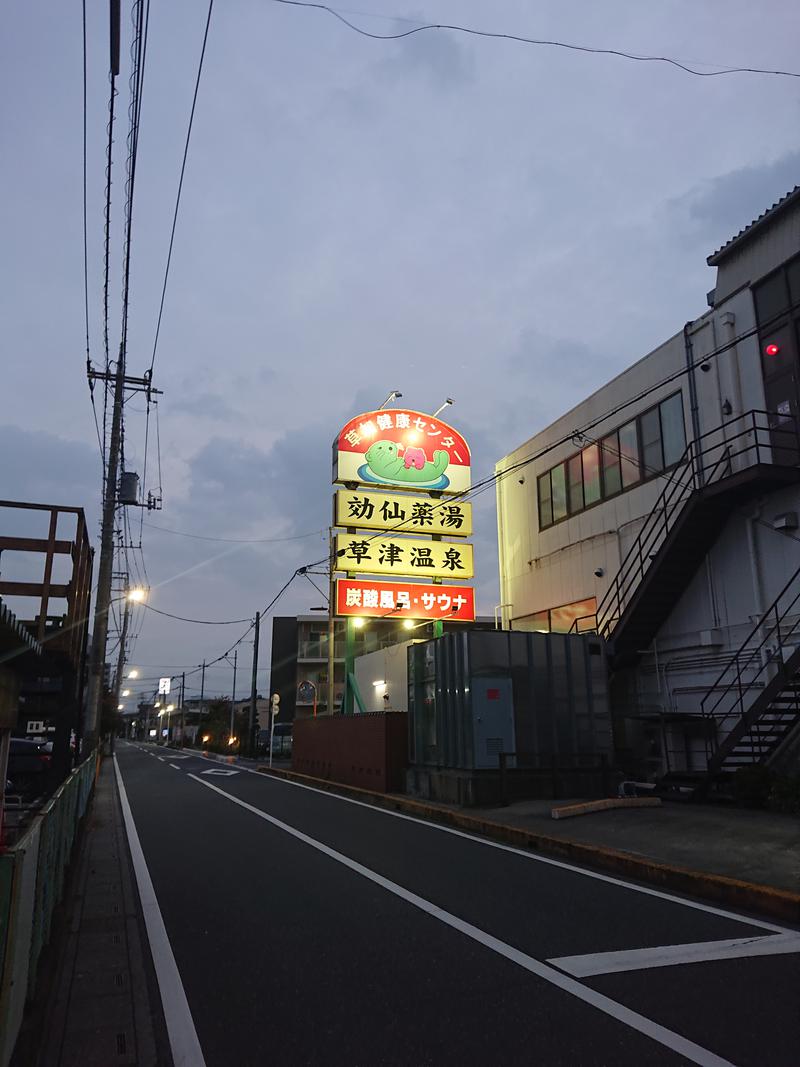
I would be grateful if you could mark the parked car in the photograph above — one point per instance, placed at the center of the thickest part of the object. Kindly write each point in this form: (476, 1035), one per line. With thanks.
(28, 764)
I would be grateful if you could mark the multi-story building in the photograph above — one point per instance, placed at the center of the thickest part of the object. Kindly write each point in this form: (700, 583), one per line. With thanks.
(662, 511)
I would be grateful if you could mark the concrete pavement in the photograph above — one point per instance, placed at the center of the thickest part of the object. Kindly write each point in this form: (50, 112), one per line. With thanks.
(315, 930)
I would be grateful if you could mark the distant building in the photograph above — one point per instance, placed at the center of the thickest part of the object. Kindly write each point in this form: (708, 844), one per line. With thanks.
(300, 654)
(663, 512)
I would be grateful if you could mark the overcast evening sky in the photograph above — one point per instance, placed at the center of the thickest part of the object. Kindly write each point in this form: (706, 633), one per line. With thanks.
(445, 215)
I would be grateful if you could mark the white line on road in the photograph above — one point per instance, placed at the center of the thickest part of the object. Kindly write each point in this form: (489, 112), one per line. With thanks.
(536, 857)
(161, 758)
(682, 1045)
(174, 766)
(183, 1040)
(640, 959)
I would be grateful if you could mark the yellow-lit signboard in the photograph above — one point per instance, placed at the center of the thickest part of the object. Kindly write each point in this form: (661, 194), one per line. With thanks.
(366, 510)
(398, 555)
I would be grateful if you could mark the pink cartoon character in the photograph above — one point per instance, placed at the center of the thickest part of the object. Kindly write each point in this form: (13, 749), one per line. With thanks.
(414, 457)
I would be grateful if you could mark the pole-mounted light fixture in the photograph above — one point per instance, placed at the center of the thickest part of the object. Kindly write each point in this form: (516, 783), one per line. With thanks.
(448, 403)
(394, 395)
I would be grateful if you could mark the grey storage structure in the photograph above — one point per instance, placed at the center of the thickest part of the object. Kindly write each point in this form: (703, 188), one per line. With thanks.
(534, 704)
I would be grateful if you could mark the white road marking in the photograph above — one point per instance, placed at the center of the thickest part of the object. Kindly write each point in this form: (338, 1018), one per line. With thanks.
(183, 1040)
(640, 959)
(219, 770)
(161, 758)
(682, 1045)
(538, 858)
(174, 766)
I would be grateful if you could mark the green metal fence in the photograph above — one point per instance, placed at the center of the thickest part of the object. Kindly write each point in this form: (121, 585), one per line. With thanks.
(32, 875)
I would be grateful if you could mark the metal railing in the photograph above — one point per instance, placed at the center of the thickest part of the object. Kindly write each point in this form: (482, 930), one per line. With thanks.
(742, 442)
(761, 656)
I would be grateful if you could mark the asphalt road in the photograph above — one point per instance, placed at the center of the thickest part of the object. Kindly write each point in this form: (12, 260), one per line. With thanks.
(310, 929)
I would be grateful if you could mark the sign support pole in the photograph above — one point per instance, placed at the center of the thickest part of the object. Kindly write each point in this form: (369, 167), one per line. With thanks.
(331, 626)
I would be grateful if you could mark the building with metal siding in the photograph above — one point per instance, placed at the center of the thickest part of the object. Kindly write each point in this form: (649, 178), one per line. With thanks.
(679, 543)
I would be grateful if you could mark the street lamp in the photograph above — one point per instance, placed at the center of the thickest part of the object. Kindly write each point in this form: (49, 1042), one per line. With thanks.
(136, 595)
(126, 692)
(133, 674)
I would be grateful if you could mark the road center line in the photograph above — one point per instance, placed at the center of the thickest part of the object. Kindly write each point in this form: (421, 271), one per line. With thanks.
(679, 1044)
(536, 857)
(183, 1040)
(639, 959)
(174, 766)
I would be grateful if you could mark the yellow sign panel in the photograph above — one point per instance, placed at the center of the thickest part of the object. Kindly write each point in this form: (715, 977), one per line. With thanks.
(397, 555)
(367, 510)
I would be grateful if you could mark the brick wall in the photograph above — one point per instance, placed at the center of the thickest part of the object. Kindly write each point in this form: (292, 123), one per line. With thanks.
(369, 751)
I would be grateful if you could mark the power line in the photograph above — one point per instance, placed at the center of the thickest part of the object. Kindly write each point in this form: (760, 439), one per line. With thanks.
(454, 28)
(180, 183)
(236, 540)
(200, 622)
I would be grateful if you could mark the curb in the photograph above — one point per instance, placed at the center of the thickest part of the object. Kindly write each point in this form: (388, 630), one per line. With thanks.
(567, 811)
(733, 893)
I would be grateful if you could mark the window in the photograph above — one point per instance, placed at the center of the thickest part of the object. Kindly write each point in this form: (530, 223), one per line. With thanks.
(650, 431)
(612, 478)
(771, 297)
(545, 501)
(591, 474)
(629, 451)
(559, 486)
(582, 615)
(575, 484)
(673, 435)
(642, 448)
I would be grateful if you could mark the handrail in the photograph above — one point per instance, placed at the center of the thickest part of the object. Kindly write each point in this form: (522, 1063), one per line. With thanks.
(702, 463)
(744, 657)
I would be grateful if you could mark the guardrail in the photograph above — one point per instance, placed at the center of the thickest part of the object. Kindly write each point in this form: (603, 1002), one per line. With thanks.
(32, 874)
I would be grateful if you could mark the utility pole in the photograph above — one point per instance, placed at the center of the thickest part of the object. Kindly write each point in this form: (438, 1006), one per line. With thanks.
(251, 741)
(121, 659)
(233, 699)
(202, 690)
(103, 599)
(331, 626)
(183, 712)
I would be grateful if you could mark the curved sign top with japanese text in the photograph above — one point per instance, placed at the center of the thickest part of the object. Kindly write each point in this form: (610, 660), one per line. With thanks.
(407, 449)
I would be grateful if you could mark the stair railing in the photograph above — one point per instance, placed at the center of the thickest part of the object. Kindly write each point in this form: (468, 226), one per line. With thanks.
(710, 458)
(762, 653)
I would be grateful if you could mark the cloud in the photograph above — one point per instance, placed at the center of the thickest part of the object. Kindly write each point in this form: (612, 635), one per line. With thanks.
(204, 405)
(434, 56)
(718, 208)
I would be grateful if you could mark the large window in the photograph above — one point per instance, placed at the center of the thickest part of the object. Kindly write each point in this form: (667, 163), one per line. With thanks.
(643, 448)
(582, 615)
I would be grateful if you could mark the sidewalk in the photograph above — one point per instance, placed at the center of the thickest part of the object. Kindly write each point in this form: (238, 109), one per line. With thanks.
(102, 1004)
(752, 846)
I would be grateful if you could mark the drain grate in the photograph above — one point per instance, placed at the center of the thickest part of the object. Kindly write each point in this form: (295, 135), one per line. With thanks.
(122, 1044)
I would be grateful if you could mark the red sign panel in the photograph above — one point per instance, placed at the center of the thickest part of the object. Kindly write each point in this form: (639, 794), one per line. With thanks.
(404, 600)
(403, 448)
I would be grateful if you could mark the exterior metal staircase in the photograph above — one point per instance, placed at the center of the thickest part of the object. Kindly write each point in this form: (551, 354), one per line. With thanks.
(719, 470)
(754, 704)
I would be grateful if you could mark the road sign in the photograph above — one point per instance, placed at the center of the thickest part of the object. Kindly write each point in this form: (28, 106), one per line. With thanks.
(163, 686)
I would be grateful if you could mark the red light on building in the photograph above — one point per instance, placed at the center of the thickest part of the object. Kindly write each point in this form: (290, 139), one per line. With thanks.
(772, 350)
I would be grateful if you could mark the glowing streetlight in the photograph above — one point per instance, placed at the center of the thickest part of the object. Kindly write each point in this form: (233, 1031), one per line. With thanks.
(120, 707)
(136, 595)
(126, 692)
(133, 674)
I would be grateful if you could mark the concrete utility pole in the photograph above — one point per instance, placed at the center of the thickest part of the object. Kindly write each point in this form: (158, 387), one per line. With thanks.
(251, 740)
(121, 658)
(183, 711)
(233, 700)
(103, 599)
